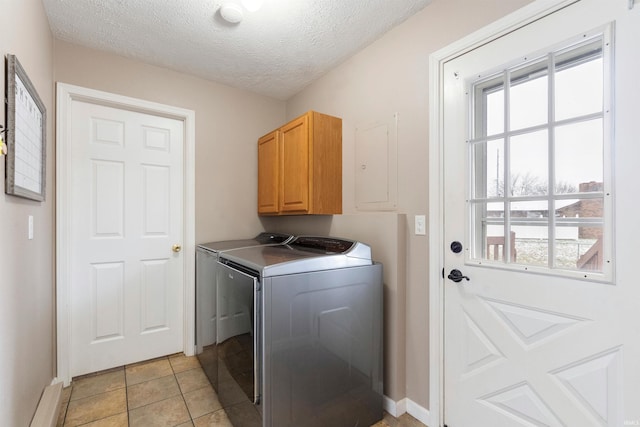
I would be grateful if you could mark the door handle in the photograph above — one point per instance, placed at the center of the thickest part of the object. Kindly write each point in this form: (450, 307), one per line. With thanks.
(176, 248)
(457, 276)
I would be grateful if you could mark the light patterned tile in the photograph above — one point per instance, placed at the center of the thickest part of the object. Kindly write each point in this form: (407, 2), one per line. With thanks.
(217, 419)
(64, 403)
(202, 401)
(244, 414)
(97, 384)
(405, 420)
(66, 394)
(166, 413)
(152, 391)
(83, 411)
(119, 420)
(147, 371)
(192, 379)
(181, 363)
(62, 413)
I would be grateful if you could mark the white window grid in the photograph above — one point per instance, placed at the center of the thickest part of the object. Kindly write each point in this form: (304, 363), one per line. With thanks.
(502, 80)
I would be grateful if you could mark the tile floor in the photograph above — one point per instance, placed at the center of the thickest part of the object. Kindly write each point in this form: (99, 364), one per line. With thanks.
(170, 391)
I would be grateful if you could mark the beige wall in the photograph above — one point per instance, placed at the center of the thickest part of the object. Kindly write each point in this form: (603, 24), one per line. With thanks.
(228, 123)
(392, 75)
(26, 266)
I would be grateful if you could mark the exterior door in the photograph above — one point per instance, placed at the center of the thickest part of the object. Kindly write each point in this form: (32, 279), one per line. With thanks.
(126, 290)
(540, 318)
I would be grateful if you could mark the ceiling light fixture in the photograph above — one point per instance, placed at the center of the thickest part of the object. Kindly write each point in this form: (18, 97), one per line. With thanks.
(231, 12)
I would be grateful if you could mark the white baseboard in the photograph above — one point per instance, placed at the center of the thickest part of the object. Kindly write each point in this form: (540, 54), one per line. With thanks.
(418, 412)
(394, 408)
(406, 406)
(47, 411)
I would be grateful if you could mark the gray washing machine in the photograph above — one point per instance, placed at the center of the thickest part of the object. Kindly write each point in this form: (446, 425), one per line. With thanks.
(206, 306)
(300, 334)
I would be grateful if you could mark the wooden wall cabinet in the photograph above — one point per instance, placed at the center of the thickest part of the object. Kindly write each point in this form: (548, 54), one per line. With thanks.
(300, 167)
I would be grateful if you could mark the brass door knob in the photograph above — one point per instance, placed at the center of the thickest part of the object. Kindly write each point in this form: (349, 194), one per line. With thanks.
(176, 248)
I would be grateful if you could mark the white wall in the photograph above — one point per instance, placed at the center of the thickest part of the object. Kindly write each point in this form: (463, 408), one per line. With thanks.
(27, 305)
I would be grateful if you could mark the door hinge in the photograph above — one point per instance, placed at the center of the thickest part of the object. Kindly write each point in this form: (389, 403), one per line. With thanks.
(443, 278)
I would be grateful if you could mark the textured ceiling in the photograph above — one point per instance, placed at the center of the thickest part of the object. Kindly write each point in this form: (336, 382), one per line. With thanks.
(275, 51)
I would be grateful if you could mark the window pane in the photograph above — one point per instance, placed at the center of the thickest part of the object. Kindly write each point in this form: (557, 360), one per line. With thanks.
(495, 112)
(488, 219)
(579, 157)
(579, 81)
(573, 210)
(523, 212)
(489, 107)
(530, 232)
(488, 160)
(529, 172)
(531, 249)
(495, 210)
(579, 253)
(529, 96)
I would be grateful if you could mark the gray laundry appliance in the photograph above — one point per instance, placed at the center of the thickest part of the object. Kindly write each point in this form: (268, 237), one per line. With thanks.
(300, 334)
(206, 306)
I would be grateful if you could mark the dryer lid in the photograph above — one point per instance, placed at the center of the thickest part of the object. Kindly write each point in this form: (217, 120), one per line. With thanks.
(303, 254)
(264, 238)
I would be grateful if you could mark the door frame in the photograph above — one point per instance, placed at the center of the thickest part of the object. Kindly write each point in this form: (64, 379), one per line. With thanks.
(437, 246)
(66, 95)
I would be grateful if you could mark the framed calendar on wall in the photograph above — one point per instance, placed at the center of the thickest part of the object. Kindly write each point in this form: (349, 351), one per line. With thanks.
(26, 120)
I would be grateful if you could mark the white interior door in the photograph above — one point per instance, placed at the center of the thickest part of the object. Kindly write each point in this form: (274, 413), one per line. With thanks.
(126, 185)
(544, 332)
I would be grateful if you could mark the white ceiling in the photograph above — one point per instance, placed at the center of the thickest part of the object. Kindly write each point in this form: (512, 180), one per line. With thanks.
(276, 51)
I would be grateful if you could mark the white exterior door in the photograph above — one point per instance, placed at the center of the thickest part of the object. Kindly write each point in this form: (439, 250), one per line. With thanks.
(536, 337)
(126, 278)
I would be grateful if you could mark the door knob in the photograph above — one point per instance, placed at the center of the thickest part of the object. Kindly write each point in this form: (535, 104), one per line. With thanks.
(456, 275)
(176, 248)
(456, 247)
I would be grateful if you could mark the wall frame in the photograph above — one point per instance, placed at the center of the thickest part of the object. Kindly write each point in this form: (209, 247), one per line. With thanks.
(26, 135)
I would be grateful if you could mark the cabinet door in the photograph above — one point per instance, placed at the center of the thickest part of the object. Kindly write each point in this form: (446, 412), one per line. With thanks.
(268, 173)
(294, 185)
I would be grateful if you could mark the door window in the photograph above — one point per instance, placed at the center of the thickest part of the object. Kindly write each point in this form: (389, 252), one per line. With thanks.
(539, 190)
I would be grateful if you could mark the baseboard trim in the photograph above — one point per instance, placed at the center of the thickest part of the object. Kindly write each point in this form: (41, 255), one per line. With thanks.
(418, 412)
(406, 405)
(394, 408)
(47, 411)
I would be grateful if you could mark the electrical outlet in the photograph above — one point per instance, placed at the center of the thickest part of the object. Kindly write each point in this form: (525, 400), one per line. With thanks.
(30, 227)
(421, 225)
